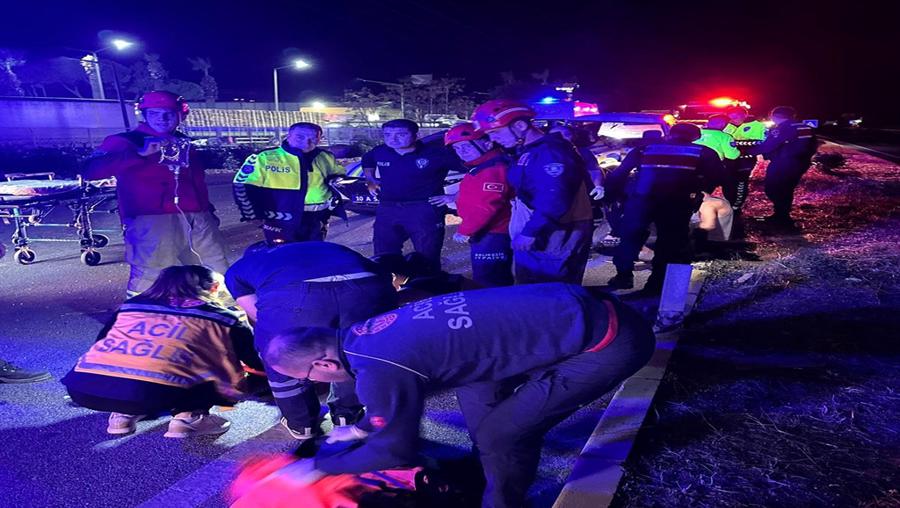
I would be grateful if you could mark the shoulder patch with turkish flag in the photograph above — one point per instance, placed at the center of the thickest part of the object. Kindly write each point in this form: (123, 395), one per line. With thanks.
(493, 187)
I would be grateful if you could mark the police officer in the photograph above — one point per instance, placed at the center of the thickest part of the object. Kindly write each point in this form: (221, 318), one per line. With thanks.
(789, 147)
(483, 204)
(746, 132)
(712, 136)
(519, 372)
(551, 223)
(288, 187)
(308, 284)
(667, 190)
(410, 187)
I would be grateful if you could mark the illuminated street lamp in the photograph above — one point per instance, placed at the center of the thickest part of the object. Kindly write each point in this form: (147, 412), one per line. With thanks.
(119, 45)
(298, 64)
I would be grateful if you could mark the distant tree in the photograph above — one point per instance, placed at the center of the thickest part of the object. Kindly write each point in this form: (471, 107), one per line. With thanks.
(365, 103)
(155, 69)
(207, 83)
(526, 90)
(188, 89)
(59, 75)
(9, 81)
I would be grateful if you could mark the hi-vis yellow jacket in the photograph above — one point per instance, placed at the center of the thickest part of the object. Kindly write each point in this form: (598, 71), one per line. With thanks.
(282, 183)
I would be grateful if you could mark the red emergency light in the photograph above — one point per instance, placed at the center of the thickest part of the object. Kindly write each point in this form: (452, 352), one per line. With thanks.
(722, 102)
(585, 108)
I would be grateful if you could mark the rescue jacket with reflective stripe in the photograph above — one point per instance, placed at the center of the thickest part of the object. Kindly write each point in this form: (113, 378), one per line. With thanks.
(670, 169)
(281, 183)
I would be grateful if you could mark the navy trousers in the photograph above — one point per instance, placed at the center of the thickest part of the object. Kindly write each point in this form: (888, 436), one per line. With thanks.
(418, 221)
(326, 304)
(781, 181)
(507, 420)
(310, 227)
(492, 260)
(672, 216)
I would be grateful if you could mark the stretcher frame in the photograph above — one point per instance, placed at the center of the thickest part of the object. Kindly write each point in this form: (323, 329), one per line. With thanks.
(25, 212)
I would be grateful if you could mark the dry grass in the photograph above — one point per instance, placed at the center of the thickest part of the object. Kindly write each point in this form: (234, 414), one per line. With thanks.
(786, 391)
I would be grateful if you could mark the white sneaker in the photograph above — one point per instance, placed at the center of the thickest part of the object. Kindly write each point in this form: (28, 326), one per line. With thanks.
(120, 423)
(306, 433)
(197, 425)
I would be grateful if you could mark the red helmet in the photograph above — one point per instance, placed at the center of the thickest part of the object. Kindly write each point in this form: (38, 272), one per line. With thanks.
(462, 132)
(164, 100)
(500, 113)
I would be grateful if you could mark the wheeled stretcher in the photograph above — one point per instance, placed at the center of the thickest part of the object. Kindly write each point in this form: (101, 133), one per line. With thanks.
(27, 200)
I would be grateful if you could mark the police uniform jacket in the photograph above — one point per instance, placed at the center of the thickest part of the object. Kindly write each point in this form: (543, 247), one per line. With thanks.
(790, 143)
(672, 169)
(550, 178)
(281, 183)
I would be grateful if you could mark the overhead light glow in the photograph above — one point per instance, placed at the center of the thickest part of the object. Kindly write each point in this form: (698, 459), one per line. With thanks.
(121, 44)
(318, 105)
(301, 64)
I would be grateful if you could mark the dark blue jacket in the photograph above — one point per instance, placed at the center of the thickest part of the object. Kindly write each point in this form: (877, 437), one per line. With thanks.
(451, 341)
(668, 169)
(550, 178)
(788, 144)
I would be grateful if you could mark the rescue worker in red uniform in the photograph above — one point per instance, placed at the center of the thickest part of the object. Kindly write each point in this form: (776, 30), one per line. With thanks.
(551, 222)
(483, 204)
(667, 190)
(164, 204)
(789, 148)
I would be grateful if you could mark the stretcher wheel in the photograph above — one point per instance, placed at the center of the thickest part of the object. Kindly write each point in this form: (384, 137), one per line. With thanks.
(90, 258)
(99, 241)
(24, 256)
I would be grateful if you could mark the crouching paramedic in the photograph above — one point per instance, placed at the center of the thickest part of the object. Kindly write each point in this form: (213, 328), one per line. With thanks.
(483, 204)
(288, 187)
(551, 222)
(164, 207)
(308, 284)
(171, 348)
(554, 348)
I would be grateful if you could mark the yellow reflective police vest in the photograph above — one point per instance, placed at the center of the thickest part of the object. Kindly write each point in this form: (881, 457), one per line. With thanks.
(719, 142)
(278, 169)
(747, 131)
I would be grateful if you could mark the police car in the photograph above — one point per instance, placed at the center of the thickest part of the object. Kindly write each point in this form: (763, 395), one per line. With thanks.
(356, 194)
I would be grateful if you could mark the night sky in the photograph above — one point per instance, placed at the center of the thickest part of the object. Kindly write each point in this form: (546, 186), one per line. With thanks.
(824, 57)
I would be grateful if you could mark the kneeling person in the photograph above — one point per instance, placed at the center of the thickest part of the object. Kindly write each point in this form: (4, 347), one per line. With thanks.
(171, 348)
(308, 284)
(558, 346)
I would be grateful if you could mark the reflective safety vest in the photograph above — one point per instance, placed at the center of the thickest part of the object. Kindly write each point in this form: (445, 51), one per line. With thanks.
(267, 185)
(720, 142)
(668, 169)
(747, 131)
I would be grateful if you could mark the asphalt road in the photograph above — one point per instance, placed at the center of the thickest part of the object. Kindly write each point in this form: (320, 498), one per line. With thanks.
(54, 454)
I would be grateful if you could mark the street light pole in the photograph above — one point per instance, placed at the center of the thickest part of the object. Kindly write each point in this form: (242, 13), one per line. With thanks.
(99, 76)
(275, 82)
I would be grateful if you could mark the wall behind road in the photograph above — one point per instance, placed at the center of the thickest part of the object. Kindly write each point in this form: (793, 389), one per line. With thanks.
(40, 121)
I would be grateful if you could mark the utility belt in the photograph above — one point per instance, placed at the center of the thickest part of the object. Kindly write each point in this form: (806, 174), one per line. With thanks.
(343, 277)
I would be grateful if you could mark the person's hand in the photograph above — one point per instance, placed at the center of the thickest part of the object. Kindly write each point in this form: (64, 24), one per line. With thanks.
(442, 200)
(301, 473)
(522, 242)
(343, 433)
(460, 238)
(597, 193)
(373, 187)
(150, 149)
